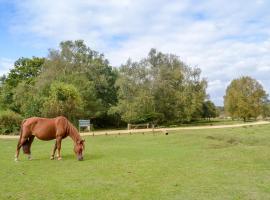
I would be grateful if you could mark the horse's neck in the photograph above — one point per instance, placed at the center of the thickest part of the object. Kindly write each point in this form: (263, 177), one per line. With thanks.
(75, 136)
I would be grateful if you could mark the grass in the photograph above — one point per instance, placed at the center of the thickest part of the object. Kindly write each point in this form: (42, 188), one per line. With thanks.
(188, 164)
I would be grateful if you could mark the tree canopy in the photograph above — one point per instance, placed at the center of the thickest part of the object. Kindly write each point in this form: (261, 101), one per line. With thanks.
(209, 110)
(25, 71)
(245, 98)
(159, 88)
(79, 82)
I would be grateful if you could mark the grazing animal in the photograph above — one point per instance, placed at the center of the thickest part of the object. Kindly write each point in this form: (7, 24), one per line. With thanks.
(48, 129)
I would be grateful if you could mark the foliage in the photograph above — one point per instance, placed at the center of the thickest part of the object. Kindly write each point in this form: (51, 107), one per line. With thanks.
(28, 100)
(159, 88)
(64, 99)
(25, 70)
(266, 109)
(2, 79)
(29, 87)
(209, 110)
(75, 63)
(9, 122)
(245, 98)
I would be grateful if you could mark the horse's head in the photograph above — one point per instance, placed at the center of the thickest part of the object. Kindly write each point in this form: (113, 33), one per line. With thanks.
(78, 149)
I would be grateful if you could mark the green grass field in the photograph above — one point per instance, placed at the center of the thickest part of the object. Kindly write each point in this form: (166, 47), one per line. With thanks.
(192, 164)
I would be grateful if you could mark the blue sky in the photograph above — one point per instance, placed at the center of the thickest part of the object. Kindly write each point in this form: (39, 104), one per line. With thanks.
(226, 39)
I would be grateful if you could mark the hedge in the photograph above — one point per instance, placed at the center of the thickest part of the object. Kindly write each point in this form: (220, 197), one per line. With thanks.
(10, 122)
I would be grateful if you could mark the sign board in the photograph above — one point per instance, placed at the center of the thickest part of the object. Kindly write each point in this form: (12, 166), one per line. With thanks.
(84, 123)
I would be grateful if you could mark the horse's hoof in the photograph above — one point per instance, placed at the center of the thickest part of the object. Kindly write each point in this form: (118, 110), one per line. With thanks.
(29, 158)
(16, 160)
(52, 158)
(59, 158)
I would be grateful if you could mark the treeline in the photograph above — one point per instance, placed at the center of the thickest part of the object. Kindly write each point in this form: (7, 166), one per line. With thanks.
(78, 82)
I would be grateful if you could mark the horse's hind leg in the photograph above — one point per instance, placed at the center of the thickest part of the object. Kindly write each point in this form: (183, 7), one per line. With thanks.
(30, 140)
(21, 141)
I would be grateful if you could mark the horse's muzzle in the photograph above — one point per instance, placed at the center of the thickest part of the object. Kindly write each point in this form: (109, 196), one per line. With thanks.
(80, 158)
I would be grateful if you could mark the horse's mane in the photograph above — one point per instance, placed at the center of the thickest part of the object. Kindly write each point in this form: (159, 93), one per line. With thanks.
(73, 132)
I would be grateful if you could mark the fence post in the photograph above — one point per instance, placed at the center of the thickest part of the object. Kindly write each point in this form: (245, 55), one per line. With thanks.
(129, 126)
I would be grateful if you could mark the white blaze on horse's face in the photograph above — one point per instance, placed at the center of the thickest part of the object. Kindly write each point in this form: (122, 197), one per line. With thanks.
(78, 149)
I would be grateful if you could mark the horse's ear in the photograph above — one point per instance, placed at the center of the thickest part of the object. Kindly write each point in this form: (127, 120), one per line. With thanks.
(81, 141)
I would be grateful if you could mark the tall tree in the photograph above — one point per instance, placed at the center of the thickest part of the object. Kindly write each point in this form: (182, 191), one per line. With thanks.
(209, 110)
(87, 70)
(159, 88)
(135, 97)
(245, 98)
(25, 70)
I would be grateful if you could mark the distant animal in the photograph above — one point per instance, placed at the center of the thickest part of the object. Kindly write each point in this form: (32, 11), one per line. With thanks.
(48, 129)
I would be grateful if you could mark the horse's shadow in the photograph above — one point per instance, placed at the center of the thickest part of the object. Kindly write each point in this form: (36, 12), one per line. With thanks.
(86, 157)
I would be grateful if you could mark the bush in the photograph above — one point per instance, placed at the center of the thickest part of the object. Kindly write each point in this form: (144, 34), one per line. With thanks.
(64, 99)
(9, 122)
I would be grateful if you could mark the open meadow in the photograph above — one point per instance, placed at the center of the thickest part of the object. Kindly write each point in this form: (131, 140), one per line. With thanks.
(231, 163)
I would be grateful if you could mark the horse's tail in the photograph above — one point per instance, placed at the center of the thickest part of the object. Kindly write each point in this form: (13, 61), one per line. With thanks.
(21, 128)
(25, 145)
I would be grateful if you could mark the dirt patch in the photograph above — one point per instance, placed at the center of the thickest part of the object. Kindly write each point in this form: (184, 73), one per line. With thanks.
(223, 142)
(210, 137)
(232, 141)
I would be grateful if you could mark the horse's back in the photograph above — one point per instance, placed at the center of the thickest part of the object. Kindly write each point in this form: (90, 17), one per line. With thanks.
(44, 128)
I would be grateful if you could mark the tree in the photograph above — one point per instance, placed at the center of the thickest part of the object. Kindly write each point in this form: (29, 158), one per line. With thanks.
(209, 110)
(75, 63)
(25, 70)
(245, 98)
(266, 109)
(74, 57)
(28, 99)
(64, 99)
(136, 101)
(159, 88)
(2, 80)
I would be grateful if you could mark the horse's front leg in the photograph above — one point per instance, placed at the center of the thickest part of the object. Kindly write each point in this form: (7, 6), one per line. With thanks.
(54, 149)
(58, 141)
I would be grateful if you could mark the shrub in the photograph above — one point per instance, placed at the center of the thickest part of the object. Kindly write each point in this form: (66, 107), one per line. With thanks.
(64, 99)
(9, 122)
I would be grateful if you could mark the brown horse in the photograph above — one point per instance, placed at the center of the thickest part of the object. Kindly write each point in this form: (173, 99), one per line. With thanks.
(48, 129)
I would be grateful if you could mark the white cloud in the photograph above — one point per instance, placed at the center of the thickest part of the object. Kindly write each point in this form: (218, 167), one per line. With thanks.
(226, 40)
(5, 65)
